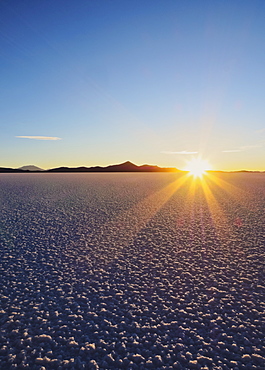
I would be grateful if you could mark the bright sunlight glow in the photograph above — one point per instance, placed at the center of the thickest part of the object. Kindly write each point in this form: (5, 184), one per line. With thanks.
(197, 167)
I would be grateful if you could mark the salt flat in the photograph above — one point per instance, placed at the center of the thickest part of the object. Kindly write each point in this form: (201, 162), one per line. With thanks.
(132, 271)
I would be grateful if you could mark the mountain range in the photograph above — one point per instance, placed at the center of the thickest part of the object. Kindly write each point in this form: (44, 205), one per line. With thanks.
(123, 167)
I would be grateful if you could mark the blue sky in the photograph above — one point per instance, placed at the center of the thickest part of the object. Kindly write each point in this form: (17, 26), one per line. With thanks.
(158, 82)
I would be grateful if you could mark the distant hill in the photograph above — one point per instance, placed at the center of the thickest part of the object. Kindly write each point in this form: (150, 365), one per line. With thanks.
(30, 167)
(10, 170)
(123, 167)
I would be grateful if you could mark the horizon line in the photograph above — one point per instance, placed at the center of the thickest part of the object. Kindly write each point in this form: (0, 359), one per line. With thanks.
(40, 169)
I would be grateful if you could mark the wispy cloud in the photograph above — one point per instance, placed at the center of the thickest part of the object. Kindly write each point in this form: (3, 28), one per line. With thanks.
(242, 148)
(40, 137)
(182, 152)
(232, 151)
(246, 147)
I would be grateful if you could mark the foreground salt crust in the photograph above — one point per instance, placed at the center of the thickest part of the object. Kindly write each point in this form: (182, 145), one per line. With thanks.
(131, 271)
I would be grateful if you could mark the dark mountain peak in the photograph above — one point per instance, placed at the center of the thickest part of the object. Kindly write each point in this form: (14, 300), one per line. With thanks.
(123, 167)
(128, 163)
(30, 167)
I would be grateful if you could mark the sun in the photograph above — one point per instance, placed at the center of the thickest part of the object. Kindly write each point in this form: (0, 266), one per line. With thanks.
(197, 167)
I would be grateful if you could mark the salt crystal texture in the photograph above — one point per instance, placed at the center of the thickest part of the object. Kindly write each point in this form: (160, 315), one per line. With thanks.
(141, 271)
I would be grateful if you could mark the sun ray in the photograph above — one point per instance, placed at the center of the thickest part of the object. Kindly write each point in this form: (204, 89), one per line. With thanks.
(129, 223)
(219, 218)
(228, 187)
(235, 192)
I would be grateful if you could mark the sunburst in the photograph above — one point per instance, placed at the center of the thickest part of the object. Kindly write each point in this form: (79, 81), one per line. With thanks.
(197, 167)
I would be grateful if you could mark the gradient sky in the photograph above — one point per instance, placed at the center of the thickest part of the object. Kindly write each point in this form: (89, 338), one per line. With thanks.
(158, 82)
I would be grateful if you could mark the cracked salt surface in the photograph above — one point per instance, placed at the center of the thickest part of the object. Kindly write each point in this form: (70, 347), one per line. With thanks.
(132, 271)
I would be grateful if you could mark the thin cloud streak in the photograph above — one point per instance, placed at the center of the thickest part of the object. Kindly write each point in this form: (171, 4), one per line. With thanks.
(232, 151)
(242, 148)
(250, 146)
(39, 137)
(182, 152)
